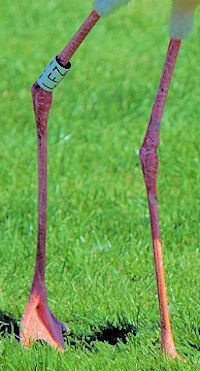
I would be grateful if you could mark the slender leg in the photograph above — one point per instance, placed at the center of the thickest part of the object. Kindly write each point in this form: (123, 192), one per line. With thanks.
(67, 53)
(38, 322)
(149, 161)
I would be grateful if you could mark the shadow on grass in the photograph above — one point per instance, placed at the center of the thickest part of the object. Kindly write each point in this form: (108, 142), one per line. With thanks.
(8, 325)
(107, 333)
(195, 346)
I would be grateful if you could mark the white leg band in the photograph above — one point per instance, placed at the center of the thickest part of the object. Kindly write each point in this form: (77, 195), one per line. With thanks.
(52, 75)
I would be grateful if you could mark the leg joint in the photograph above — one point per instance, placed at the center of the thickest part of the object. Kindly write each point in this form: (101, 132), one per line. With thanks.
(149, 162)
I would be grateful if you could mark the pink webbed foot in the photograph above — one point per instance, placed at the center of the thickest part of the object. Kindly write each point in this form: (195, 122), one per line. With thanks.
(38, 323)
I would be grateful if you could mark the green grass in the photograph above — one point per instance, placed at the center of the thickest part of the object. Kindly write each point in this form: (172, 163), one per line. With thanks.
(99, 254)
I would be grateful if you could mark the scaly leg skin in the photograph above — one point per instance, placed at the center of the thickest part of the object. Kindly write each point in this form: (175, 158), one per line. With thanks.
(38, 322)
(149, 161)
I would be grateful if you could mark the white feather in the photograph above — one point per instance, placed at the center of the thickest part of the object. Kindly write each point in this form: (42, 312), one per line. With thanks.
(181, 24)
(105, 7)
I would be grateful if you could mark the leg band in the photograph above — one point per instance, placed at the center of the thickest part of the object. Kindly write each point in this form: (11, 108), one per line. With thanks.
(53, 75)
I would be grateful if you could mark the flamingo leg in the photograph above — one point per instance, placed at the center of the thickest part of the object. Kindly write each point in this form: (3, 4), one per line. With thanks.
(38, 322)
(149, 161)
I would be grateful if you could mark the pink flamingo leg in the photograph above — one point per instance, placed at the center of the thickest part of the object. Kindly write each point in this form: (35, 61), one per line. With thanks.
(149, 161)
(78, 38)
(38, 322)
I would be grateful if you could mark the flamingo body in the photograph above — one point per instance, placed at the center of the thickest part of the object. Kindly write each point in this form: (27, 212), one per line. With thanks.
(105, 7)
(182, 18)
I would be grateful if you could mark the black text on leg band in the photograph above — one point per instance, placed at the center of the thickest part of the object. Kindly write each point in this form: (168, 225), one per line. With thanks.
(53, 75)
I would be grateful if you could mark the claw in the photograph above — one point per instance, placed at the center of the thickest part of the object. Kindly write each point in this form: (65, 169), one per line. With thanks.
(38, 323)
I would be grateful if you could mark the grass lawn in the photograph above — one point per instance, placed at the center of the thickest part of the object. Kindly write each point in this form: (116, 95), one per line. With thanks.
(100, 273)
